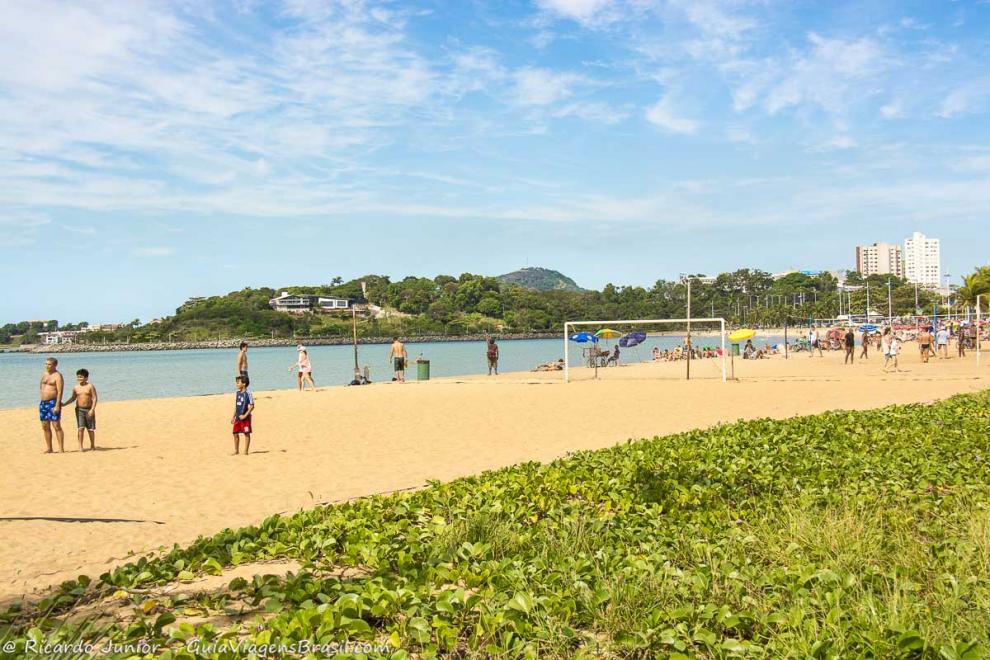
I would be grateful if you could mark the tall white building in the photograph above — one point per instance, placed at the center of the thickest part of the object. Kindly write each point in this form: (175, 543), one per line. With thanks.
(879, 259)
(922, 260)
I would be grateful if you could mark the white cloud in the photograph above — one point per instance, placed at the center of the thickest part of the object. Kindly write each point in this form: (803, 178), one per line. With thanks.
(542, 86)
(592, 111)
(153, 251)
(663, 115)
(842, 142)
(892, 110)
(826, 76)
(579, 10)
(968, 98)
(738, 134)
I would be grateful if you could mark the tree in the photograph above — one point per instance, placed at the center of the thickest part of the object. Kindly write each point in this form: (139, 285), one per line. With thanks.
(975, 284)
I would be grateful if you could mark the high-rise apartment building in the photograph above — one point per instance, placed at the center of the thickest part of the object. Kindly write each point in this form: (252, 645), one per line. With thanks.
(922, 260)
(879, 259)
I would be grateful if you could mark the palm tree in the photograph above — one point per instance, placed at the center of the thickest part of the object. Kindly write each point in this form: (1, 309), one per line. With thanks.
(976, 284)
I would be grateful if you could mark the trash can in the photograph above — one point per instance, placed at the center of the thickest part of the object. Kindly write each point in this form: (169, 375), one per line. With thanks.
(422, 369)
(735, 350)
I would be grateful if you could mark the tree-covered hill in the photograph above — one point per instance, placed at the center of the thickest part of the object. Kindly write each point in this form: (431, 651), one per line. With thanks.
(471, 304)
(540, 279)
(476, 303)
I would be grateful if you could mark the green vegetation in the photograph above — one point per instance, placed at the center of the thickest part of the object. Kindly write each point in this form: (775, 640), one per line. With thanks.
(472, 304)
(847, 534)
(540, 279)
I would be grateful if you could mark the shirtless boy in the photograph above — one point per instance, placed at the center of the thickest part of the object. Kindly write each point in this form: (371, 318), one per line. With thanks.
(50, 408)
(84, 394)
(397, 354)
(242, 365)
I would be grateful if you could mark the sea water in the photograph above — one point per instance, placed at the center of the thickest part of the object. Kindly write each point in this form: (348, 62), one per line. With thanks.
(153, 374)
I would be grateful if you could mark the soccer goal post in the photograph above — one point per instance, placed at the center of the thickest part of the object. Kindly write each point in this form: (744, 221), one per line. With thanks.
(591, 327)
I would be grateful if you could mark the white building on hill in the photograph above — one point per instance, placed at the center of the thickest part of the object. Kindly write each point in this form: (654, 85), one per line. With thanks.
(302, 303)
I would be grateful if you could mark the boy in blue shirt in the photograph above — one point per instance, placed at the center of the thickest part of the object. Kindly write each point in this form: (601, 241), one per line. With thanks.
(243, 407)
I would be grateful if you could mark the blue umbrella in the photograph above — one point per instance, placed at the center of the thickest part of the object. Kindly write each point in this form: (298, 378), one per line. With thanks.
(868, 327)
(584, 337)
(632, 339)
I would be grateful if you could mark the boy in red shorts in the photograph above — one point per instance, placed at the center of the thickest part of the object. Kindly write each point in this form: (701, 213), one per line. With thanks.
(243, 406)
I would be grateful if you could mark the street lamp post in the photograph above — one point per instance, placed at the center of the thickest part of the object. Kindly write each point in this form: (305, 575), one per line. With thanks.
(890, 305)
(978, 329)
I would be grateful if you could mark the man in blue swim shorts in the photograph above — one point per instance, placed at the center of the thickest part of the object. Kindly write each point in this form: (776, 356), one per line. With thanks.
(50, 408)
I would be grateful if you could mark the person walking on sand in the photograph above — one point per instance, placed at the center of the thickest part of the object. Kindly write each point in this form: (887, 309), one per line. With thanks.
(243, 407)
(850, 342)
(50, 408)
(890, 349)
(397, 354)
(242, 363)
(865, 353)
(84, 394)
(942, 339)
(492, 354)
(304, 369)
(925, 343)
(813, 343)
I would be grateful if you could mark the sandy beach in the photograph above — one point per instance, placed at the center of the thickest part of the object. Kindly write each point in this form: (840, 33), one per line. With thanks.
(164, 473)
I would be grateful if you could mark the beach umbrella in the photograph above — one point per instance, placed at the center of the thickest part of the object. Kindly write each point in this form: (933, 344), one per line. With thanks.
(868, 327)
(608, 333)
(632, 339)
(584, 337)
(742, 334)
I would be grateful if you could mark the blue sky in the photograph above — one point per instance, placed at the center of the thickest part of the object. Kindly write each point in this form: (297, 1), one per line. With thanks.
(154, 151)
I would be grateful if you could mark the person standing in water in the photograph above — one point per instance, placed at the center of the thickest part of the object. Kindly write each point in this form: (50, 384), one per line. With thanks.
(397, 354)
(492, 354)
(242, 363)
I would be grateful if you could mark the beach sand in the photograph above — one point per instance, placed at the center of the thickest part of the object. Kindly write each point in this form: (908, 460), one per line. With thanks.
(164, 473)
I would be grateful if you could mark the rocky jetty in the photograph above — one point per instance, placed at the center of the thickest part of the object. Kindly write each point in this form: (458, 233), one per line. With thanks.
(256, 343)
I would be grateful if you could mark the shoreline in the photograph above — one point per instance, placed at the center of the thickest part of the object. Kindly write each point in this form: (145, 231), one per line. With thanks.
(319, 341)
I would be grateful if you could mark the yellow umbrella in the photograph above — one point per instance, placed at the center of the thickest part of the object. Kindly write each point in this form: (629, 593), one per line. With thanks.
(608, 333)
(742, 334)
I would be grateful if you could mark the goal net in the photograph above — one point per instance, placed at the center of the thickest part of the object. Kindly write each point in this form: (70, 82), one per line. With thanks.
(645, 349)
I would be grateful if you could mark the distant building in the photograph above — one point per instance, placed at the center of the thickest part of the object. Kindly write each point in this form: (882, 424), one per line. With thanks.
(293, 304)
(302, 303)
(331, 304)
(922, 260)
(103, 327)
(879, 259)
(58, 337)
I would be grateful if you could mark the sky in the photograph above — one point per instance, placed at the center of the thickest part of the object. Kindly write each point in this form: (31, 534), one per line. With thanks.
(154, 151)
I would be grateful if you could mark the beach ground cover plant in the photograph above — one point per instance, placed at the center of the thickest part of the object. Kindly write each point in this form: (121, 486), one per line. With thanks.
(846, 534)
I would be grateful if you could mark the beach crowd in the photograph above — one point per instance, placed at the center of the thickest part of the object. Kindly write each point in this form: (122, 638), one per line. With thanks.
(934, 341)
